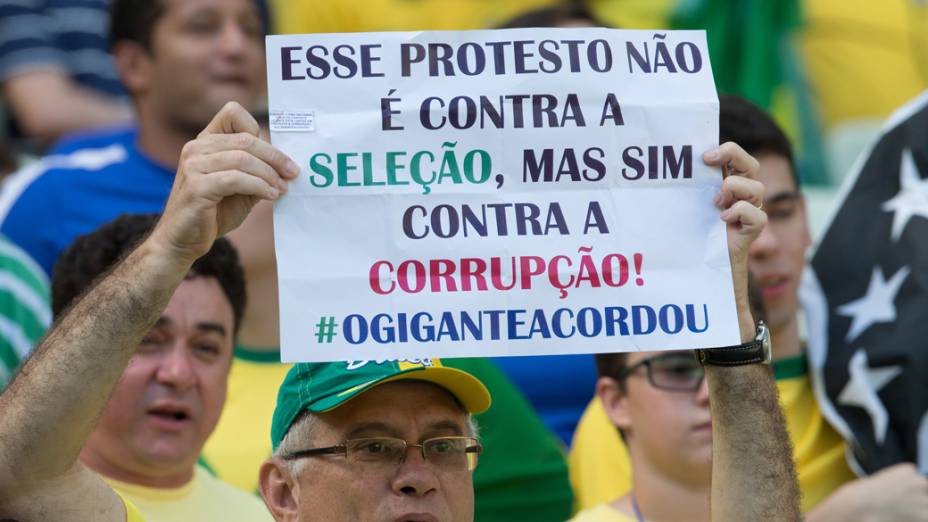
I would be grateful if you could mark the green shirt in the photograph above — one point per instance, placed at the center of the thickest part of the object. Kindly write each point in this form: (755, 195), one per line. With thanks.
(522, 473)
(24, 307)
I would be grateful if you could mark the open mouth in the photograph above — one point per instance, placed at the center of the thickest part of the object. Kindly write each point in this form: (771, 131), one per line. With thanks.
(172, 416)
(177, 415)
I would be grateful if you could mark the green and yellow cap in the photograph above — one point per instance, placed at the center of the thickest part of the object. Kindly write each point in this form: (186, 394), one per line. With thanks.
(321, 387)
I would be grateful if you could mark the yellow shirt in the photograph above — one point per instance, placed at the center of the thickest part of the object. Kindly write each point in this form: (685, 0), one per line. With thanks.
(203, 498)
(600, 469)
(132, 512)
(601, 513)
(242, 439)
(341, 16)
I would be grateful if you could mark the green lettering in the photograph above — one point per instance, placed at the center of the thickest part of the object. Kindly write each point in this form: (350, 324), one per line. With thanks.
(320, 170)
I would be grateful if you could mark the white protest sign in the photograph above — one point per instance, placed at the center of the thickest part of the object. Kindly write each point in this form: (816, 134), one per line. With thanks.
(485, 193)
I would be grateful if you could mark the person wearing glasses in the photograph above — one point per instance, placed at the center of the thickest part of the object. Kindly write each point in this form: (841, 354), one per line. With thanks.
(659, 401)
(374, 441)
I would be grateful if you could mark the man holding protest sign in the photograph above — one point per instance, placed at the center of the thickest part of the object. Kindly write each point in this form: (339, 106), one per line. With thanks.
(49, 410)
(54, 403)
(147, 441)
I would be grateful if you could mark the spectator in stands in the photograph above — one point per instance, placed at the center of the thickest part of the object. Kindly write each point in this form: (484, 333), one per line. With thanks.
(167, 401)
(180, 61)
(56, 71)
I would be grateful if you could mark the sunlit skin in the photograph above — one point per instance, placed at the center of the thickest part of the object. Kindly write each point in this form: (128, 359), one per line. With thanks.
(777, 256)
(206, 53)
(170, 396)
(331, 488)
(203, 54)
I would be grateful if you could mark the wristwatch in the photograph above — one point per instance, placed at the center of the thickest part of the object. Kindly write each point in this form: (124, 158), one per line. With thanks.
(752, 352)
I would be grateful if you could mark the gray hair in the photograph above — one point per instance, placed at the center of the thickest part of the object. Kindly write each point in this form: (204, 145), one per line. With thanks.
(301, 431)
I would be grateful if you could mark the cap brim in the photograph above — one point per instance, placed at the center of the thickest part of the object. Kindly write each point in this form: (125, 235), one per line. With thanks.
(469, 391)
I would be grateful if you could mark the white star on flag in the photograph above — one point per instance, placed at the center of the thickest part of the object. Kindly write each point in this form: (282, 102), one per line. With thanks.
(877, 305)
(912, 199)
(862, 388)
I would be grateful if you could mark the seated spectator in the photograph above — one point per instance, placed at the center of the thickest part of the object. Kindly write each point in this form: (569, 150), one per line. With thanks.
(168, 399)
(56, 72)
(659, 403)
(321, 467)
(181, 61)
(342, 434)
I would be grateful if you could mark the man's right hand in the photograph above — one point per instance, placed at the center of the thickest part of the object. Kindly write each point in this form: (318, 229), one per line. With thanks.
(220, 177)
(898, 493)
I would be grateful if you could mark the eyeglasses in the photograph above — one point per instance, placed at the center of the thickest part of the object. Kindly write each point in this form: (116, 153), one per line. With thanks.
(444, 453)
(679, 372)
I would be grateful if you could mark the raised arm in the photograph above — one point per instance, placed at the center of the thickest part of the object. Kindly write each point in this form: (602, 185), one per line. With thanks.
(753, 477)
(51, 407)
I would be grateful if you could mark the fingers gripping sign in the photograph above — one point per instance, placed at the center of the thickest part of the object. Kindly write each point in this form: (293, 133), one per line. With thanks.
(739, 198)
(221, 175)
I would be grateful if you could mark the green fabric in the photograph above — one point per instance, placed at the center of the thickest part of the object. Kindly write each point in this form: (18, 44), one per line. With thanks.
(257, 356)
(203, 463)
(9, 360)
(753, 52)
(790, 367)
(24, 308)
(320, 387)
(746, 41)
(522, 473)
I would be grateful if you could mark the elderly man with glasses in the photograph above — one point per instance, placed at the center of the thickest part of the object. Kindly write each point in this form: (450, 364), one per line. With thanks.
(343, 432)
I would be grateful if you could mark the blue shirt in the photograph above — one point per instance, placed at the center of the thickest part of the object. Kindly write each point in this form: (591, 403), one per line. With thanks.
(559, 387)
(86, 181)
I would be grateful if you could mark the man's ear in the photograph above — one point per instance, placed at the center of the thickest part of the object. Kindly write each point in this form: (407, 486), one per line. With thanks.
(614, 402)
(134, 65)
(279, 489)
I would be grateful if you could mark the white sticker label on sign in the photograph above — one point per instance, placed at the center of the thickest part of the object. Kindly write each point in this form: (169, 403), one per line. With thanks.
(293, 121)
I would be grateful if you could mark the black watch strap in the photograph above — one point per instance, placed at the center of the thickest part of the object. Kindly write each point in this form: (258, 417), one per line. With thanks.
(751, 352)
